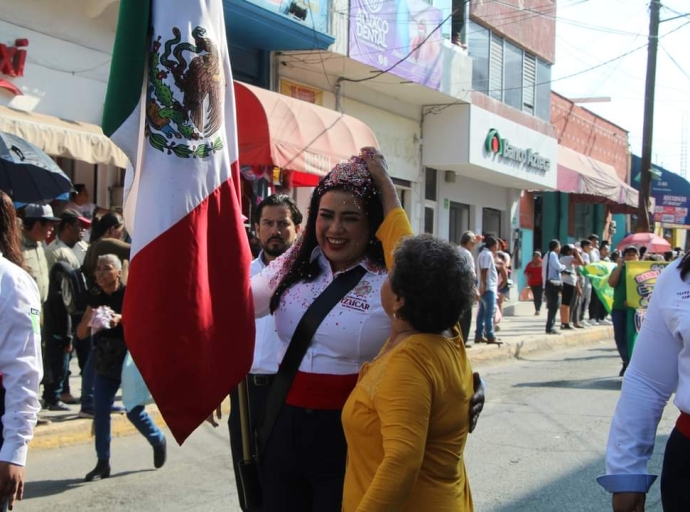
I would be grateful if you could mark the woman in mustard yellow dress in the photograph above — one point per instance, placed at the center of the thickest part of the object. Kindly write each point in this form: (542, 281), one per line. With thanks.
(407, 420)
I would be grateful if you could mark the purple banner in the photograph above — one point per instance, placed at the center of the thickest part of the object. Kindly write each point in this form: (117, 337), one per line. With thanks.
(382, 32)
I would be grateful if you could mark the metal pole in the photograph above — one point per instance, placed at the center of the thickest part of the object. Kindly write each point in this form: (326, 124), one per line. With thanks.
(244, 421)
(648, 128)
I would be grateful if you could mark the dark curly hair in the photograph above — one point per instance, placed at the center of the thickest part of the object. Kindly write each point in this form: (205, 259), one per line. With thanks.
(342, 177)
(436, 283)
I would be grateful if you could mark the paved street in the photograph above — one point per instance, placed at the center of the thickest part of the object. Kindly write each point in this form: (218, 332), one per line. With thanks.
(539, 447)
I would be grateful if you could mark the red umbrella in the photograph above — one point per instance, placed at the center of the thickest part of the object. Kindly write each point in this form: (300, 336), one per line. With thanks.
(653, 243)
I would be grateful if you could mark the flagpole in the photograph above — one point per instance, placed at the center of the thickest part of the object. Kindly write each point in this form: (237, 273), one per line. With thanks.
(244, 421)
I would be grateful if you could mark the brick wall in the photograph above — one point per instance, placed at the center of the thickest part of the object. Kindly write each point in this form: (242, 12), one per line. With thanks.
(585, 132)
(529, 23)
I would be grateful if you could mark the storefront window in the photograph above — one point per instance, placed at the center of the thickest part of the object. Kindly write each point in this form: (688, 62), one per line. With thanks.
(478, 49)
(543, 88)
(496, 68)
(512, 80)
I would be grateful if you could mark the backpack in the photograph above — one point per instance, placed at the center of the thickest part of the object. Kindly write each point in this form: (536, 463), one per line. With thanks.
(74, 291)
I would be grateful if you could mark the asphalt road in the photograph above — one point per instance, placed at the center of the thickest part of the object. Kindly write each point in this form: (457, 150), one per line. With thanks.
(539, 447)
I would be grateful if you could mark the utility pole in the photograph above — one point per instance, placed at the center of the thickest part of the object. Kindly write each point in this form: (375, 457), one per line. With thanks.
(648, 128)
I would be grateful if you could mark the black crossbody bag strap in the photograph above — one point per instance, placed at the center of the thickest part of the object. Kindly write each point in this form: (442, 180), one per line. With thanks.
(548, 260)
(299, 343)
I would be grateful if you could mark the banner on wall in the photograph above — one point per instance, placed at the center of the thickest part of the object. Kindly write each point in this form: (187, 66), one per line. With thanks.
(301, 92)
(641, 277)
(384, 32)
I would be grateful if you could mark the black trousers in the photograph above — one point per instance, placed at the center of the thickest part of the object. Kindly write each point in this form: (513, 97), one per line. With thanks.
(597, 311)
(553, 302)
(675, 474)
(257, 391)
(465, 324)
(303, 467)
(537, 296)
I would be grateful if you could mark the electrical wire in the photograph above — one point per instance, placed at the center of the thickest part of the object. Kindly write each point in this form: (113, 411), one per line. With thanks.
(680, 68)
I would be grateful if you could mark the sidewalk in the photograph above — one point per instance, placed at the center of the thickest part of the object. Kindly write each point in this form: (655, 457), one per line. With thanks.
(520, 335)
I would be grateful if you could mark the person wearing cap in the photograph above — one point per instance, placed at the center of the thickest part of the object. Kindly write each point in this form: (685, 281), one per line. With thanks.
(468, 241)
(69, 233)
(57, 323)
(38, 224)
(619, 313)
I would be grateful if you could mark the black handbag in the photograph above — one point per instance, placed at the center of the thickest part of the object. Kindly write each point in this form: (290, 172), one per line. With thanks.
(109, 356)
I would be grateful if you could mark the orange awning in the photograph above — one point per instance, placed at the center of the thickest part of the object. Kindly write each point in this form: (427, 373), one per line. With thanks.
(276, 130)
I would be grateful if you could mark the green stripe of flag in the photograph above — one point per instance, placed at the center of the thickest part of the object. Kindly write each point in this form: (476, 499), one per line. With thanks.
(128, 63)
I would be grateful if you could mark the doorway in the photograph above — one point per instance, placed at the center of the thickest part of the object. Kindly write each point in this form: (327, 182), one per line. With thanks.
(539, 223)
(491, 222)
(459, 221)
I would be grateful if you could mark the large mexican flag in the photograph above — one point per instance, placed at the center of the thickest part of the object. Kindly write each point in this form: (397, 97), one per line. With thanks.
(188, 313)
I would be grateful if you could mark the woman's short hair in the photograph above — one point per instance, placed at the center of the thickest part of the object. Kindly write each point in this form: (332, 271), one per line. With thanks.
(435, 282)
(111, 258)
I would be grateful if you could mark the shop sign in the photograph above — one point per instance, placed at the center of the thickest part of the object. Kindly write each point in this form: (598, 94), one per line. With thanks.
(301, 92)
(13, 58)
(495, 145)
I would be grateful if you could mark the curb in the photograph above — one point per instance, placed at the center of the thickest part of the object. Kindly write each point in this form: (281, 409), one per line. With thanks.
(538, 343)
(79, 431)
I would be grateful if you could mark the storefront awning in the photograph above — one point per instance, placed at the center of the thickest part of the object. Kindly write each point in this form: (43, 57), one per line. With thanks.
(62, 138)
(276, 130)
(594, 181)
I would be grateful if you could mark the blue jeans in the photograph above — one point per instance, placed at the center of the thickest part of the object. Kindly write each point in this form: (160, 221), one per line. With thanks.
(87, 376)
(104, 391)
(485, 315)
(620, 332)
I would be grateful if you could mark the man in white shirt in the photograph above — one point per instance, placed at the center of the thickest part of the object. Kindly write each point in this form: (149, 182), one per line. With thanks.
(58, 330)
(551, 273)
(278, 222)
(468, 240)
(488, 292)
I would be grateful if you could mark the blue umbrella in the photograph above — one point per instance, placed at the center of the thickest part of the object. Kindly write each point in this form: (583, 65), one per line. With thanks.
(27, 174)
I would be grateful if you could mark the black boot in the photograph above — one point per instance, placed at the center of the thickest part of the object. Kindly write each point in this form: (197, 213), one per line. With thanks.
(160, 454)
(102, 470)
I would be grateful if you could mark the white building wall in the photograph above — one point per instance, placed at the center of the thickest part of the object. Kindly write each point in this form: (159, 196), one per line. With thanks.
(67, 68)
(68, 57)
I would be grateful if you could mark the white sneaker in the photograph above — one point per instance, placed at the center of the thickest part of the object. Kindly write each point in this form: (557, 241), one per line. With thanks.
(606, 321)
(594, 322)
(585, 323)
